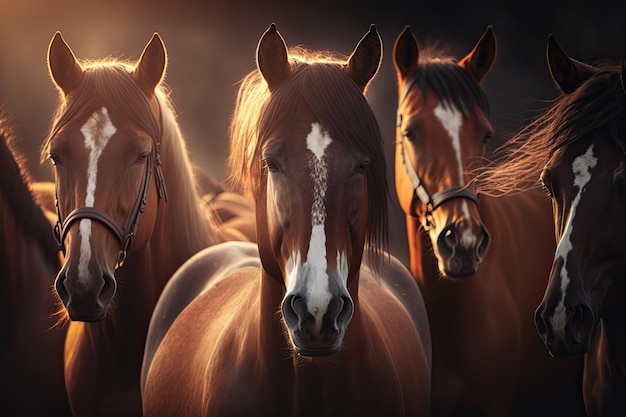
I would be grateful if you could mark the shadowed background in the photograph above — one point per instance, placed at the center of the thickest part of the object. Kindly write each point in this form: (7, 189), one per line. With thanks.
(211, 46)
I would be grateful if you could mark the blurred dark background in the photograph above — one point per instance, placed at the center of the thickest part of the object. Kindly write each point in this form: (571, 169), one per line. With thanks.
(211, 46)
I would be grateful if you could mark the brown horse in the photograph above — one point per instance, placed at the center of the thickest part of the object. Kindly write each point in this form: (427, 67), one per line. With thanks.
(305, 323)
(129, 213)
(31, 346)
(578, 145)
(481, 262)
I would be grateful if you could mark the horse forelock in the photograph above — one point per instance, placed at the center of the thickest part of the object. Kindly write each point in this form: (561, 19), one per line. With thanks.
(440, 74)
(596, 106)
(14, 185)
(107, 84)
(319, 83)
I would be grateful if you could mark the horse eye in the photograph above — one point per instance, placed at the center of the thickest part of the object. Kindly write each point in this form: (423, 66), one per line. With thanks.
(270, 165)
(487, 137)
(362, 167)
(54, 160)
(143, 157)
(547, 189)
(409, 135)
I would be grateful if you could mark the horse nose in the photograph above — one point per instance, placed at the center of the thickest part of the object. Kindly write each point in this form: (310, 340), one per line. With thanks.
(85, 302)
(569, 335)
(315, 337)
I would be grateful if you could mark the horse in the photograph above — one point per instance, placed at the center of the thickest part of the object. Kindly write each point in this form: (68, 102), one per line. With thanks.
(129, 213)
(317, 318)
(576, 148)
(482, 263)
(31, 347)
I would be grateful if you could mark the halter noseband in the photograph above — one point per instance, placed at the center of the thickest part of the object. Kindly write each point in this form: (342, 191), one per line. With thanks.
(124, 235)
(431, 202)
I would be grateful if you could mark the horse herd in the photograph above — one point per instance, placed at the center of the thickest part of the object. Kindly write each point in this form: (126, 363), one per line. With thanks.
(280, 297)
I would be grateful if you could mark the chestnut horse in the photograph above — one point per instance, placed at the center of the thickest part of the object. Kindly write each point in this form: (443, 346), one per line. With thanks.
(482, 263)
(31, 352)
(317, 319)
(578, 149)
(128, 213)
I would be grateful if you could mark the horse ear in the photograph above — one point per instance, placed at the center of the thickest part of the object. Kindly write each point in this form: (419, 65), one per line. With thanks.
(271, 57)
(150, 68)
(63, 67)
(566, 72)
(480, 60)
(405, 53)
(365, 60)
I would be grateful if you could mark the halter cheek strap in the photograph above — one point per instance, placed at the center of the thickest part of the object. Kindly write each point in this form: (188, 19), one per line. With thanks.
(431, 202)
(124, 235)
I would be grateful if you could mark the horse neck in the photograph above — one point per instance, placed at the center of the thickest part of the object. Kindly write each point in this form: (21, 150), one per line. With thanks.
(27, 278)
(612, 338)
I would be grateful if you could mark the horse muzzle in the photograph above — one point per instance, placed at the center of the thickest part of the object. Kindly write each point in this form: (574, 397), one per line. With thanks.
(85, 299)
(566, 331)
(313, 336)
(461, 249)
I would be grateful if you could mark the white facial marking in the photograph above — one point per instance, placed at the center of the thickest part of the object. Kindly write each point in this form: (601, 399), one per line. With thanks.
(581, 167)
(313, 273)
(97, 132)
(451, 120)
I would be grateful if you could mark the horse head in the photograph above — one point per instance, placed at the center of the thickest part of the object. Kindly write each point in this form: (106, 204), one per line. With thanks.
(104, 146)
(442, 129)
(585, 177)
(318, 159)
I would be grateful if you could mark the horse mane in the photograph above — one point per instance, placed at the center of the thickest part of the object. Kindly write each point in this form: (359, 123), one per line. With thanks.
(15, 187)
(599, 104)
(455, 87)
(109, 83)
(319, 83)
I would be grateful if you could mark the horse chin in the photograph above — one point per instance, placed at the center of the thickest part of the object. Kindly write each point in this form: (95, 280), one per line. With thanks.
(89, 317)
(458, 269)
(318, 351)
(317, 348)
(560, 349)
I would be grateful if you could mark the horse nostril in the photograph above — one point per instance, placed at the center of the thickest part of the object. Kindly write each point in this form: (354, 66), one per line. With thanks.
(347, 309)
(449, 235)
(108, 289)
(540, 323)
(59, 285)
(484, 244)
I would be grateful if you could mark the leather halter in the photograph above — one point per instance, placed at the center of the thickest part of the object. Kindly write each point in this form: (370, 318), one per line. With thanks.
(124, 235)
(431, 202)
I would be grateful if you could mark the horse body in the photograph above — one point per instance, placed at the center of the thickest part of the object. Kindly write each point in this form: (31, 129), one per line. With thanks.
(31, 359)
(115, 144)
(487, 359)
(576, 148)
(309, 314)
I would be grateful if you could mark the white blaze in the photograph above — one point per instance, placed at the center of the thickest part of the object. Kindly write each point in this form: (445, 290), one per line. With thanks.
(451, 120)
(97, 132)
(581, 167)
(313, 271)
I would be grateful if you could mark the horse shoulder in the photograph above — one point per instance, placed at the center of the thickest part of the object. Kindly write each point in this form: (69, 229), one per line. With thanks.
(399, 281)
(206, 268)
(397, 335)
(181, 376)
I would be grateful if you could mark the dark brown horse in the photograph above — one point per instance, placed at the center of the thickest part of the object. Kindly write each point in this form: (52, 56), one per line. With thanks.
(318, 319)
(481, 262)
(578, 147)
(31, 346)
(129, 215)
